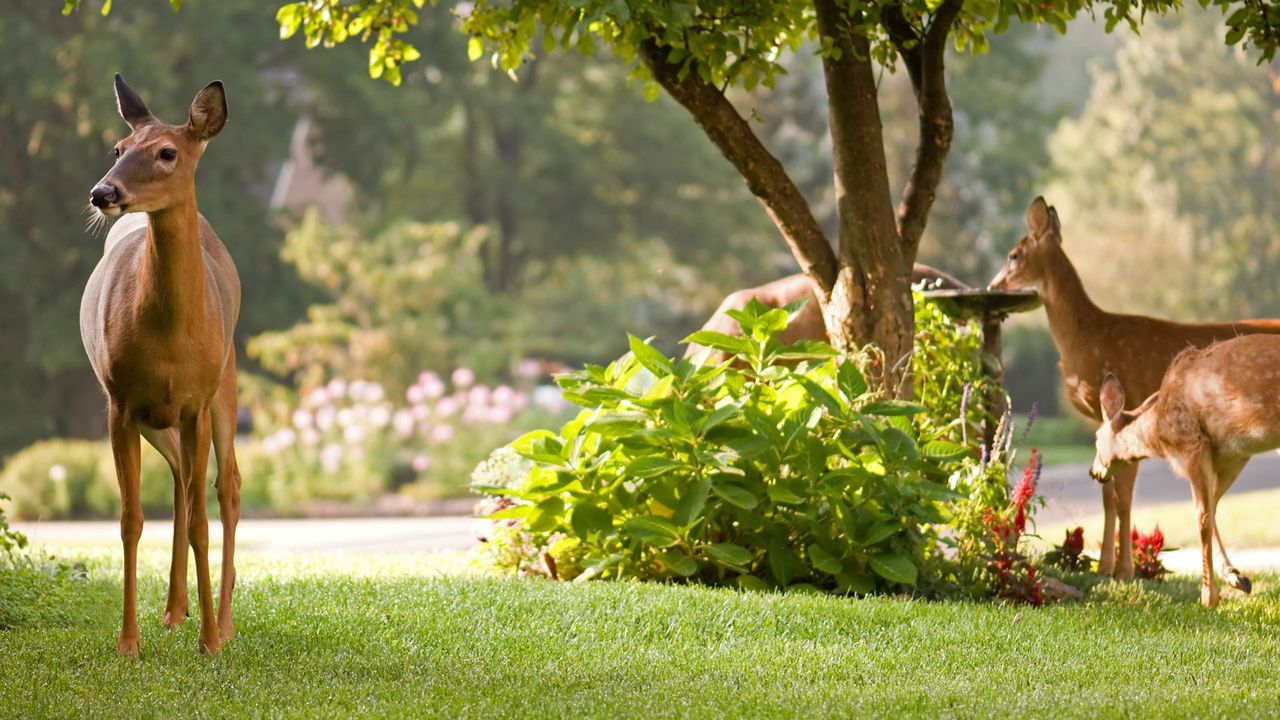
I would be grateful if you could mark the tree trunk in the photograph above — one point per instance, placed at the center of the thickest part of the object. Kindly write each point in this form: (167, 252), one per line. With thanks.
(871, 302)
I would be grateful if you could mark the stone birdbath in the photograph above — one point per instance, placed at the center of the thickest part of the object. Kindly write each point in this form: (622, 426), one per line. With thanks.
(990, 307)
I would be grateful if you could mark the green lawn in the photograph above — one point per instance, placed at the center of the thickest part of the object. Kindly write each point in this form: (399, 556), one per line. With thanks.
(1246, 520)
(415, 637)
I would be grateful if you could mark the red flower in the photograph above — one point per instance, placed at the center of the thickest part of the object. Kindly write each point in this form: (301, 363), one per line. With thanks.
(1026, 487)
(1074, 542)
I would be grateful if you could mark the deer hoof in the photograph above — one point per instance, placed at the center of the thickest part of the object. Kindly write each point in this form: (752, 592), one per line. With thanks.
(1238, 581)
(128, 647)
(173, 619)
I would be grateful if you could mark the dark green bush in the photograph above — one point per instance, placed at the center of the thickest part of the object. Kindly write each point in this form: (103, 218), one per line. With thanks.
(777, 468)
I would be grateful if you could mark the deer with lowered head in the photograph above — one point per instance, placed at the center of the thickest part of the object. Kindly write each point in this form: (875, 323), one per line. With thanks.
(1093, 343)
(157, 319)
(808, 323)
(1216, 408)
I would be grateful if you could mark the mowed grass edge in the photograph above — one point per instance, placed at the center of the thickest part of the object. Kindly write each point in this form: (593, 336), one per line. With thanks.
(368, 637)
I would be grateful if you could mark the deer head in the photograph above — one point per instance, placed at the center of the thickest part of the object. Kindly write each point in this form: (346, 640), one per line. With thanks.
(1117, 443)
(1026, 266)
(155, 165)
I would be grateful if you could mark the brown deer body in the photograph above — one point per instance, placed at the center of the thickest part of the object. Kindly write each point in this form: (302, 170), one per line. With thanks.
(1216, 408)
(1092, 342)
(157, 319)
(808, 323)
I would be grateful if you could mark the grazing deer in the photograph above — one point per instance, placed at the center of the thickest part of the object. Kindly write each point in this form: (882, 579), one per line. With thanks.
(1092, 342)
(808, 323)
(157, 320)
(1216, 408)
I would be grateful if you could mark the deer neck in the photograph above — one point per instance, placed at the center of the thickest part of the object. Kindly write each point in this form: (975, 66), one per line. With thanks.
(1072, 314)
(171, 278)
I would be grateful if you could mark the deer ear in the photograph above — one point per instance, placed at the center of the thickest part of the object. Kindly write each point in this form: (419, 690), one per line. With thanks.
(130, 105)
(1055, 224)
(1111, 397)
(1038, 220)
(208, 112)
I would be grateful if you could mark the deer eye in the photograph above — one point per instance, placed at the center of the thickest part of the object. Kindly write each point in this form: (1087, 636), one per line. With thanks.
(168, 154)
(115, 152)
(1013, 256)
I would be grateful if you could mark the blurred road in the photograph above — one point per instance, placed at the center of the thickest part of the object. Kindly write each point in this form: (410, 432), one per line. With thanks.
(1073, 495)
(1070, 492)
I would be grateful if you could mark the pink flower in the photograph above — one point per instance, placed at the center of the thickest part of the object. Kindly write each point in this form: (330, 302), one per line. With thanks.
(415, 394)
(448, 406)
(402, 421)
(431, 384)
(529, 368)
(421, 463)
(331, 458)
(462, 377)
(337, 387)
(441, 433)
(478, 395)
(301, 419)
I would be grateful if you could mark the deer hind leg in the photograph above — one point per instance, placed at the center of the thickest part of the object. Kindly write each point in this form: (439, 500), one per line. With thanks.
(126, 451)
(223, 413)
(196, 438)
(1201, 473)
(1124, 481)
(168, 443)
(1227, 472)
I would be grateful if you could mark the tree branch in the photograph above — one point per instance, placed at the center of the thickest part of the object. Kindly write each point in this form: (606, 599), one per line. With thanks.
(926, 67)
(764, 174)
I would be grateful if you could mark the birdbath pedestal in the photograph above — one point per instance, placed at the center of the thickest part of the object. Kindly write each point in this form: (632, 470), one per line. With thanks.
(990, 307)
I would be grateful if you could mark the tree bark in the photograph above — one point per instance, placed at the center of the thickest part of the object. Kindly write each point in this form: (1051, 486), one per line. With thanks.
(764, 174)
(871, 301)
(924, 55)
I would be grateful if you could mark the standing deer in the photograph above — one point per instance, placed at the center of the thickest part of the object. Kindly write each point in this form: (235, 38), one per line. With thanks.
(1092, 342)
(157, 319)
(808, 323)
(1216, 408)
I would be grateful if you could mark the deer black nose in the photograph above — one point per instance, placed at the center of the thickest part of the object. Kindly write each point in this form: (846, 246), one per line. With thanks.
(103, 195)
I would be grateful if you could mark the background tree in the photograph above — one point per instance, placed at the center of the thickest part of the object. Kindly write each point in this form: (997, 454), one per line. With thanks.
(695, 51)
(1171, 171)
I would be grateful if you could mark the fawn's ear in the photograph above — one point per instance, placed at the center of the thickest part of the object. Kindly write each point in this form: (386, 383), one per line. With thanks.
(130, 105)
(208, 112)
(1038, 220)
(1055, 225)
(1111, 398)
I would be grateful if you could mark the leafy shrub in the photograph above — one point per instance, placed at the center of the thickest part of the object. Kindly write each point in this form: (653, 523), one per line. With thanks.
(757, 472)
(11, 540)
(77, 479)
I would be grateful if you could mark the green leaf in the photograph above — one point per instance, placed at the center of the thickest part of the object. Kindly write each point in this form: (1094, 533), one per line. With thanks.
(824, 560)
(649, 467)
(693, 501)
(654, 530)
(475, 48)
(852, 384)
(944, 450)
(679, 563)
(780, 493)
(880, 532)
(730, 554)
(719, 341)
(586, 519)
(857, 583)
(735, 494)
(652, 360)
(896, 567)
(784, 563)
(889, 408)
(751, 583)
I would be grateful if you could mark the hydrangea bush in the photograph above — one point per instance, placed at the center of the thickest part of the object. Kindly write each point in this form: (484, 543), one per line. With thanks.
(775, 469)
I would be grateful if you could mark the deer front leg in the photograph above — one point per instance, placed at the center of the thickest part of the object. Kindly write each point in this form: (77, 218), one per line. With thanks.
(196, 438)
(168, 443)
(223, 414)
(1107, 555)
(1203, 479)
(1123, 481)
(126, 451)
